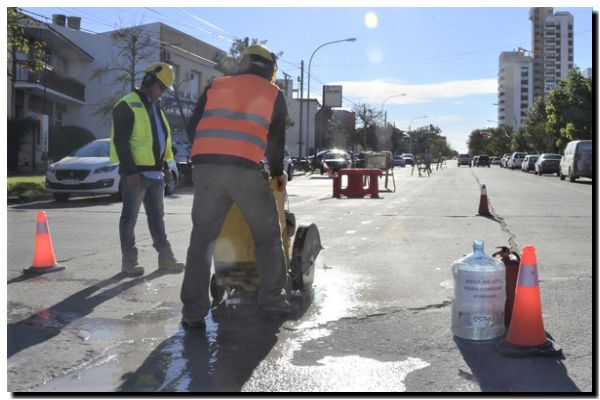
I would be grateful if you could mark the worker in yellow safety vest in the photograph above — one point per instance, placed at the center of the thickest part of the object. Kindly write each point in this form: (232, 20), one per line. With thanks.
(238, 120)
(141, 145)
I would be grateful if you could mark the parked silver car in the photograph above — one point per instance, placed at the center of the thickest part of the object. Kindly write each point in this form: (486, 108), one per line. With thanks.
(548, 163)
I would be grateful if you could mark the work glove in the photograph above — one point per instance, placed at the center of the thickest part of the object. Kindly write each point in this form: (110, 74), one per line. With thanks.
(168, 175)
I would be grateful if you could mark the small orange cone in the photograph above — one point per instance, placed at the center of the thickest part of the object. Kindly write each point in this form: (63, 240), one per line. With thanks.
(526, 335)
(483, 203)
(43, 257)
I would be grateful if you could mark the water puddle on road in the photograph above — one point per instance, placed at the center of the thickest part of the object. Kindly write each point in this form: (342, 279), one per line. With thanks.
(338, 374)
(151, 352)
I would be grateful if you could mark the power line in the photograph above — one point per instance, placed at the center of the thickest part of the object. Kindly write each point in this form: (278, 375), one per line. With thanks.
(107, 35)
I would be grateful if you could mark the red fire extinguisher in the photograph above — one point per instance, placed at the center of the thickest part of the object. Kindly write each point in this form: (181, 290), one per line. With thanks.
(511, 261)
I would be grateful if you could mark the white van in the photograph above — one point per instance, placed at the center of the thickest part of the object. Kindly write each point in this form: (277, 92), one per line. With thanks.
(577, 160)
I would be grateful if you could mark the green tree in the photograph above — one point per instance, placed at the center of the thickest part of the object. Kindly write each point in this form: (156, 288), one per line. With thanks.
(478, 142)
(569, 109)
(534, 129)
(500, 141)
(429, 137)
(19, 42)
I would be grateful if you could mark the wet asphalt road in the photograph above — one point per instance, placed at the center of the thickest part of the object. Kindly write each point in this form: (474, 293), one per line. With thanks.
(378, 318)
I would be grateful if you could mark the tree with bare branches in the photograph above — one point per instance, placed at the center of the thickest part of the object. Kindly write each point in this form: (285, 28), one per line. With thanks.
(133, 47)
(368, 116)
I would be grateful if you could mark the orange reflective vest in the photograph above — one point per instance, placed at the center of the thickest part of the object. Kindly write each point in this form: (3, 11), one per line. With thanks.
(236, 117)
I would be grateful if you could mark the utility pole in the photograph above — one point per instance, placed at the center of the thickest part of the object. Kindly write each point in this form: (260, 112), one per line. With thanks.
(301, 79)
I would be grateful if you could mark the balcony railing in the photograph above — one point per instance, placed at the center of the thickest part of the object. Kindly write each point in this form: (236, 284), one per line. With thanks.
(53, 80)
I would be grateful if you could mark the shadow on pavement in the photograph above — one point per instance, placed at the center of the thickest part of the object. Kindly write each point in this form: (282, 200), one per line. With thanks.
(497, 373)
(221, 359)
(49, 322)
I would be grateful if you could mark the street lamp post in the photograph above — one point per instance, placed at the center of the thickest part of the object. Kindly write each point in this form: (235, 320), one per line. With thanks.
(308, 90)
(383, 103)
(410, 149)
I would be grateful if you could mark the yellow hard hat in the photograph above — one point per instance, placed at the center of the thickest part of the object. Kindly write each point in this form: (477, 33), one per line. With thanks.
(262, 52)
(163, 72)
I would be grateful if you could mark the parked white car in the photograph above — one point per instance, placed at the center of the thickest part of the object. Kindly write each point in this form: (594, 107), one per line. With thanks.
(516, 159)
(89, 170)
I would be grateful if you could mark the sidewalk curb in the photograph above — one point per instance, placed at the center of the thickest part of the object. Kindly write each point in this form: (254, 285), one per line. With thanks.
(27, 199)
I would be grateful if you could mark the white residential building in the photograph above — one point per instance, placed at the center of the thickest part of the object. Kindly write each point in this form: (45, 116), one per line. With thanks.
(70, 93)
(515, 87)
(296, 143)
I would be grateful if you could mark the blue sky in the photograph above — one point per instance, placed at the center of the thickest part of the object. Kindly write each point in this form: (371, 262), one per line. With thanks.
(444, 59)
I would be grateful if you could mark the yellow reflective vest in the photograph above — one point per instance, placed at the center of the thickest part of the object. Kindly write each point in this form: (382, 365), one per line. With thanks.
(142, 138)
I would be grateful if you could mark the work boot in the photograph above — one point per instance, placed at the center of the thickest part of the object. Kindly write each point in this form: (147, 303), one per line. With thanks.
(196, 325)
(278, 312)
(170, 264)
(132, 269)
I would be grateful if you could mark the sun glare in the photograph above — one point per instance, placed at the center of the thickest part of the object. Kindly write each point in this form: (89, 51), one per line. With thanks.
(371, 20)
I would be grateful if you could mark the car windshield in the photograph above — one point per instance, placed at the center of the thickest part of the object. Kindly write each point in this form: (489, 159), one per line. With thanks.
(98, 148)
(331, 156)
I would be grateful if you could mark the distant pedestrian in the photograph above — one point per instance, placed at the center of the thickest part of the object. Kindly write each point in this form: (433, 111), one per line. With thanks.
(141, 145)
(238, 120)
(427, 159)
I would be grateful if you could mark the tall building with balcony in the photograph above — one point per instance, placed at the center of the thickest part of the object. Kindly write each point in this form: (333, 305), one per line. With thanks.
(552, 46)
(515, 87)
(50, 94)
(69, 90)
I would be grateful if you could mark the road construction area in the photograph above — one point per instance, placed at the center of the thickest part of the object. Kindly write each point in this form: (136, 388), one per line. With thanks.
(378, 318)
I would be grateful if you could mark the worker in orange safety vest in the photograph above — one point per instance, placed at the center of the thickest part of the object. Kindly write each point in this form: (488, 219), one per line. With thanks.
(238, 120)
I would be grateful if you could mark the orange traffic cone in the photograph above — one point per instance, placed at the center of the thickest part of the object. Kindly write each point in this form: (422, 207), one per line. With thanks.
(526, 335)
(43, 257)
(483, 203)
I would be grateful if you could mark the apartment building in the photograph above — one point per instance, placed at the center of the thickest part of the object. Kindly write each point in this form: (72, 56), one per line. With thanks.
(552, 46)
(55, 95)
(515, 86)
(69, 91)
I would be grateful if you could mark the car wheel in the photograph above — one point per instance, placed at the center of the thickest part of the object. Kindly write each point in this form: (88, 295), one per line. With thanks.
(60, 197)
(183, 178)
(170, 186)
(321, 170)
(571, 176)
(562, 177)
(290, 172)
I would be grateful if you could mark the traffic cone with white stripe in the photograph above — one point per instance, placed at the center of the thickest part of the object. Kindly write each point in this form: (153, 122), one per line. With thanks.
(526, 336)
(43, 257)
(483, 203)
